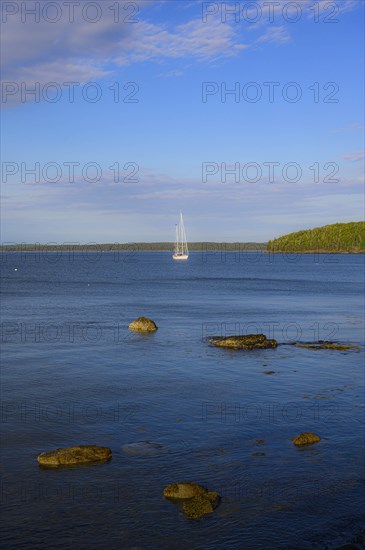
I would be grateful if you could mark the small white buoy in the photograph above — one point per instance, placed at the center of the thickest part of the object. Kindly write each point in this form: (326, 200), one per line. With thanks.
(15, 269)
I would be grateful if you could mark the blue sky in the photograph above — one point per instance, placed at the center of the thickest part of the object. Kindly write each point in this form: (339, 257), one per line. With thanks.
(163, 130)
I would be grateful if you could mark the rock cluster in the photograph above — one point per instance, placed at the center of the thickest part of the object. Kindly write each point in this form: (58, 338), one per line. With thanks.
(197, 500)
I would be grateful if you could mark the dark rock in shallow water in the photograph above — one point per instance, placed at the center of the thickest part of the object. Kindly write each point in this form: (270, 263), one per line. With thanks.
(143, 448)
(248, 342)
(73, 456)
(142, 324)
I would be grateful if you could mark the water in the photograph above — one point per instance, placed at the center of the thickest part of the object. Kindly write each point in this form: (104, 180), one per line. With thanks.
(72, 373)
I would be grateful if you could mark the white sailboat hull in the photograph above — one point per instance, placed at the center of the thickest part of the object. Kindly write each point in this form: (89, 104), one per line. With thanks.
(180, 256)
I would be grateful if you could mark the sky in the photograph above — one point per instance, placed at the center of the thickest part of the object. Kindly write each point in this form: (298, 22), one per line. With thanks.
(116, 115)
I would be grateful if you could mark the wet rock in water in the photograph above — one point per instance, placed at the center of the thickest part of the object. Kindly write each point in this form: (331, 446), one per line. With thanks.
(306, 438)
(248, 342)
(73, 456)
(142, 324)
(197, 501)
(269, 372)
(201, 505)
(143, 448)
(326, 344)
(184, 489)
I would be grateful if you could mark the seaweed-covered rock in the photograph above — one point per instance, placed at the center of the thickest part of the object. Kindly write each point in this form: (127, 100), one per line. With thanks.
(306, 438)
(142, 324)
(326, 344)
(73, 456)
(184, 489)
(199, 506)
(197, 501)
(248, 342)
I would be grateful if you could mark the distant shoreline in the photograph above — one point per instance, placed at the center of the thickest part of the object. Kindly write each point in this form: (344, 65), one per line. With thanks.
(129, 248)
(134, 247)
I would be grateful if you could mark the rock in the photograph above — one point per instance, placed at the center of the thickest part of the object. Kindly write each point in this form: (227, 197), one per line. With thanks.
(323, 344)
(248, 342)
(142, 324)
(184, 489)
(214, 498)
(269, 372)
(143, 448)
(197, 501)
(197, 507)
(306, 438)
(73, 456)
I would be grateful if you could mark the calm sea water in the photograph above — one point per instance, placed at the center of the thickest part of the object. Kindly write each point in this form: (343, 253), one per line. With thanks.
(72, 373)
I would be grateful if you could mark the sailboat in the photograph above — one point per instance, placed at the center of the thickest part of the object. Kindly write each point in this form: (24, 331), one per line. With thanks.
(181, 246)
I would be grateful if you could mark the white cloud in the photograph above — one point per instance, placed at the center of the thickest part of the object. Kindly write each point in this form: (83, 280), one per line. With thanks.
(172, 74)
(82, 51)
(355, 157)
(277, 35)
(354, 127)
(195, 39)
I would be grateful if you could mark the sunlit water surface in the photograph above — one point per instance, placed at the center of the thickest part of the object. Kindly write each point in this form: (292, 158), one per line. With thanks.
(72, 373)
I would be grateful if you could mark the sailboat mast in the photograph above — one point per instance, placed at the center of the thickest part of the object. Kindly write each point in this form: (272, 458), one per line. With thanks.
(176, 239)
(181, 224)
(181, 245)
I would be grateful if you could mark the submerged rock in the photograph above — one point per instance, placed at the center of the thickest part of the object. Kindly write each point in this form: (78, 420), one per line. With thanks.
(281, 507)
(326, 344)
(306, 438)
(248, 342)
(184, 489)
(142, 324)
(72, 456)
(143, 448)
